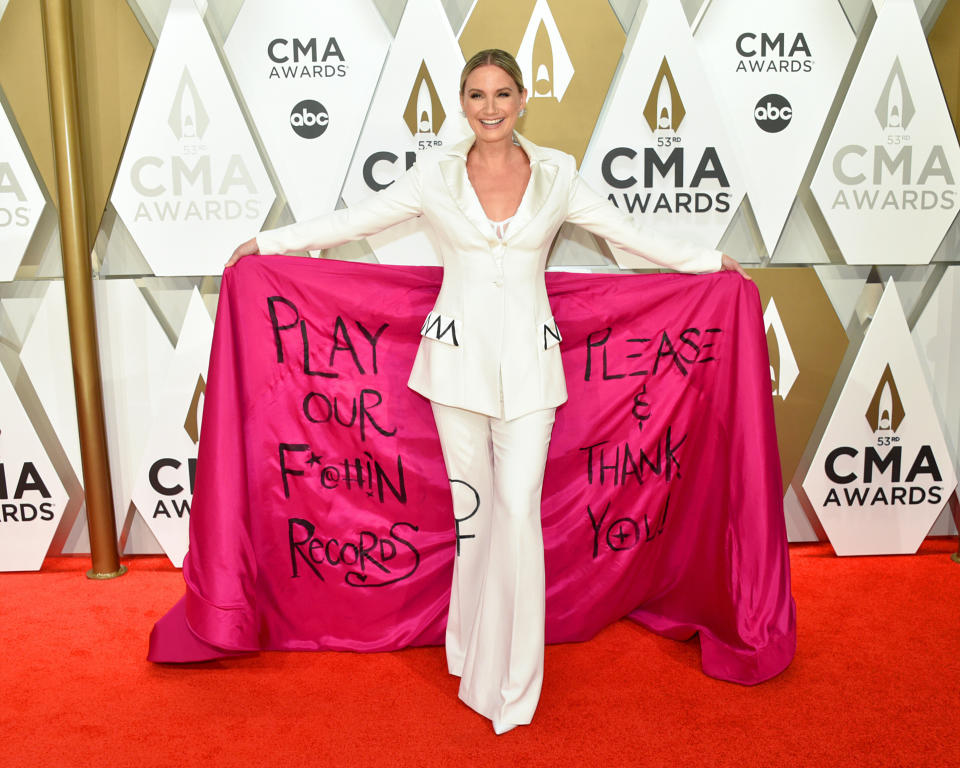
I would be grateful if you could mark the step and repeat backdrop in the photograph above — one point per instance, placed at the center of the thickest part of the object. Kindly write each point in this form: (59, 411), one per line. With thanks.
(814, 140)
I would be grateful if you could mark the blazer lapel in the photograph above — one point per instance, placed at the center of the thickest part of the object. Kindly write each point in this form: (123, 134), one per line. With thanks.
(454, 171)
(543, 174)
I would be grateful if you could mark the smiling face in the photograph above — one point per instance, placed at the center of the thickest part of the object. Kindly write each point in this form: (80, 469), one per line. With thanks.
(492, 102)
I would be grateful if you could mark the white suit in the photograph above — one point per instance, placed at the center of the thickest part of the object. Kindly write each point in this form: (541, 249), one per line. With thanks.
(490, 322)
(490, 363)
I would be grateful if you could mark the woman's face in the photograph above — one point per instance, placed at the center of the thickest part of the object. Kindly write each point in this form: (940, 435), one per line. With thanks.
(492, 103)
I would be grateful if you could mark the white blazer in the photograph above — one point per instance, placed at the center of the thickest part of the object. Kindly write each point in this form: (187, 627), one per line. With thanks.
(491, 326)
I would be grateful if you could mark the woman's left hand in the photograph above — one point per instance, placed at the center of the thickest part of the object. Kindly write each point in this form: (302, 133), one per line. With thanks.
(249, 248)
(732, 265)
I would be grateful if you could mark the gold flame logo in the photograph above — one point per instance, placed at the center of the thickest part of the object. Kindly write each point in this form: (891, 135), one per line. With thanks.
(885, 411)
(664, 110)
(192, 423)
(424, 112)
(784, 369)
(773, 350)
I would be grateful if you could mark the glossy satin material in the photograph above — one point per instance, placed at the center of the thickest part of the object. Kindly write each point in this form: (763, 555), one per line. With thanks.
(661, 499)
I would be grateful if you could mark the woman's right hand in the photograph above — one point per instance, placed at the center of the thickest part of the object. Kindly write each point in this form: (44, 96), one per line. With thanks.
(730, 264)
(249, 248)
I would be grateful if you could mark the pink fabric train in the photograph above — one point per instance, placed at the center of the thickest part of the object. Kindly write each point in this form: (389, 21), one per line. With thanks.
(321, 517)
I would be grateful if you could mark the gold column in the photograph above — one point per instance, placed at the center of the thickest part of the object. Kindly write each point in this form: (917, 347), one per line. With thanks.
(78, 284)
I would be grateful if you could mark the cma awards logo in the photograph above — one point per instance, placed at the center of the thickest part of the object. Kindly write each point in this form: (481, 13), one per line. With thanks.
(664, 113)
(543, 58)
(167, 474)
(294, 59)
(885, 412)
(784, 369)
(891, 174)
(24, 479)
(888, 472)
(766, 52)
(664, 109)
(424, 116)
(193, 183)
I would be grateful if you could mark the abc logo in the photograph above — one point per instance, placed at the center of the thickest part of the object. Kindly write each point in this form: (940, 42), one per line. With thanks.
(773, 113)
(309, 119)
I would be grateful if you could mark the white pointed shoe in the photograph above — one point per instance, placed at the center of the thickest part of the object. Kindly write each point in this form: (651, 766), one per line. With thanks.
(501, 728)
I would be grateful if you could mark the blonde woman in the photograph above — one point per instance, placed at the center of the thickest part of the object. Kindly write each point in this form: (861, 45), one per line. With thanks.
(489, 361)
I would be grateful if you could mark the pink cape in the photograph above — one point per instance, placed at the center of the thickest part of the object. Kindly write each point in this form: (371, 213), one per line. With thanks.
(322, 514)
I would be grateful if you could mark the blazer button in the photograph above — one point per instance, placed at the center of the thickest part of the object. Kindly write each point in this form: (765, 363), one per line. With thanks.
(498, 282)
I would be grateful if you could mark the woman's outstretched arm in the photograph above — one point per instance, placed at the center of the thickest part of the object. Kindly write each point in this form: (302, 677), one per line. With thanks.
(396, 203)
(598, 215)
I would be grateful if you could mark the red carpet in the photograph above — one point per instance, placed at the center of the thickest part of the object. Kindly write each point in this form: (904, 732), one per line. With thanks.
(876, 682)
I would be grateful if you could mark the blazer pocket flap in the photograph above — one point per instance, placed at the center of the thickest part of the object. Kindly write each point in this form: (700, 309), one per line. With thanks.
(443, 328)
(551, 333)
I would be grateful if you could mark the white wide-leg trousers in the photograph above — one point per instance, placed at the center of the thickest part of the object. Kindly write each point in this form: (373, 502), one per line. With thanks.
(495, 626)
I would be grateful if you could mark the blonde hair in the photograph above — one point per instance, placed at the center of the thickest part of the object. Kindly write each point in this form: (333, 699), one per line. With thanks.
(496, 57)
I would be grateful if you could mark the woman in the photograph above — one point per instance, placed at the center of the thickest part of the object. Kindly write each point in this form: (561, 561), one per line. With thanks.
(489, 360)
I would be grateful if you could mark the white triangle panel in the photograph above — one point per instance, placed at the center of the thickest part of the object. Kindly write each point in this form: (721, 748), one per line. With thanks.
(661, 151)
(191, 184)
(307, 72)
(32, 498)
(46, 357)
(135, 359)
(937, 336)
(21, 199)
(163, 490)
(888, 179)
(777, 66)
(883, 471)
